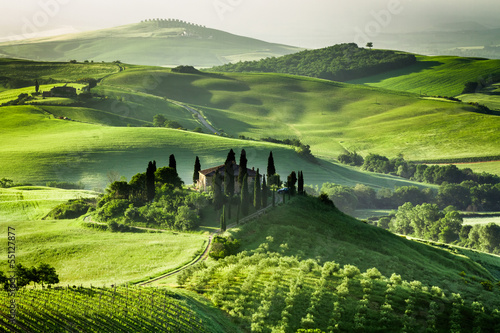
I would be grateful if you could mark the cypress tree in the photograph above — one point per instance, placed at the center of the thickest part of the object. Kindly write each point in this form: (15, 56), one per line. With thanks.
(271, 170)
(229, 174)
(223, 219)
(244, 196)
(150, 181)
(238, 213)
(242, 168)
(196, 172)
(292, 180)
(37, 86)
(256, 191)
(264, 193)
(300, 183)
(217, 188)
(172, 163)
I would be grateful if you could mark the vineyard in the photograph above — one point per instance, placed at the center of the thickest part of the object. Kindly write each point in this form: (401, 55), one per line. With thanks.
(123, 309)
(268, 292)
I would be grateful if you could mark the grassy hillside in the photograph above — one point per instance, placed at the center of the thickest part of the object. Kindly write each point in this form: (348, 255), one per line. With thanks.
(435, 76)
(34, 202)
(15, 73)
(38, 148)
(329, 116)
(306, 266)
(86, 256)
(167, 43)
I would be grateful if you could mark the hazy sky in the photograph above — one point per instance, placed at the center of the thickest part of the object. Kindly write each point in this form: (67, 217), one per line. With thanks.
(312, 23)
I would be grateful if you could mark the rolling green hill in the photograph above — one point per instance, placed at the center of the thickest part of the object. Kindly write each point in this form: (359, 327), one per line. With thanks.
(436, 75)
(168, 43)
(328, 116)
(38, 148)
(307, 266)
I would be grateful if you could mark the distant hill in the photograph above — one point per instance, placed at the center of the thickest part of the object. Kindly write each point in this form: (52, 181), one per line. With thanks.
(152, 42)
(339, 63)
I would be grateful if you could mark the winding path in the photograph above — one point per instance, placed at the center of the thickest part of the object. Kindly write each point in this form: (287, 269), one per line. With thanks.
(198, 115)
(205, 253)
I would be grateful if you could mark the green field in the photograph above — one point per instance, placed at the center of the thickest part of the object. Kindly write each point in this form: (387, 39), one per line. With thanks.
(33, 202)
(85, 256)
(481, 220)
(61, 150)
(436, 75)
(329, 116)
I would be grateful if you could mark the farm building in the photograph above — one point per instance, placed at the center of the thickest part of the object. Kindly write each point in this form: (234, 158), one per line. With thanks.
(63, 91)
(206, 177)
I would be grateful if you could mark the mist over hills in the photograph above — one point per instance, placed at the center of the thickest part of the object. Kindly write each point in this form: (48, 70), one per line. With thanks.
(158, 42)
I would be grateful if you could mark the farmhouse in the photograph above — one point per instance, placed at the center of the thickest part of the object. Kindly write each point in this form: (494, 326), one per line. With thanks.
(206, 177)
(63, 91)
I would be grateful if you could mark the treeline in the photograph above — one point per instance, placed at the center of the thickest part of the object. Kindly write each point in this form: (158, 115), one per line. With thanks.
(432, 174)
(427, 221)
(23, 276)
(341, 62)
(465, 196)
(301, 149)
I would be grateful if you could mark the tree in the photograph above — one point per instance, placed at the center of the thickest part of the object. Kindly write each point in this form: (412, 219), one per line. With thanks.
(223, 219)
(150, 181)
(229, 174)
(217, 189)
(369, 45)
(244, 196)
(300, 184)
(37, 86)
(159, 120)
(196, 172)
(243, 167)
(168, 175)
(292, 180)
(271, 170)
(264, 193)
(47, 274)
(172, 163)
(257, 191)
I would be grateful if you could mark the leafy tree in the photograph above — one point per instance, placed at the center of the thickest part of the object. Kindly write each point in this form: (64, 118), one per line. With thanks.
(6, 183)
(242, 167)
(244, 196)
(5, 281)
(256, 191)
(342, 196)
(159, 120)
(196, 172)
(450, 227)
(167, 175)
(186, 218)
(369, 45)
(47, 274)
(23, 275)
(119, 190)
(455, 195)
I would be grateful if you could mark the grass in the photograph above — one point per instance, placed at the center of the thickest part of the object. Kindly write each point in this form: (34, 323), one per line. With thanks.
(329, 116)
(436, 75)
(481, 220)
(85, 256)
(165, 46)
(60, 71)
(38, 148)
(34, 202)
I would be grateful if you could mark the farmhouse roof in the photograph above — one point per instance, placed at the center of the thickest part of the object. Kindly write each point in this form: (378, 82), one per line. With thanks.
(221, 168)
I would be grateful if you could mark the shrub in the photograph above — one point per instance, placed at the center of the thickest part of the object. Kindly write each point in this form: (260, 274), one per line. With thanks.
(351, 271)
